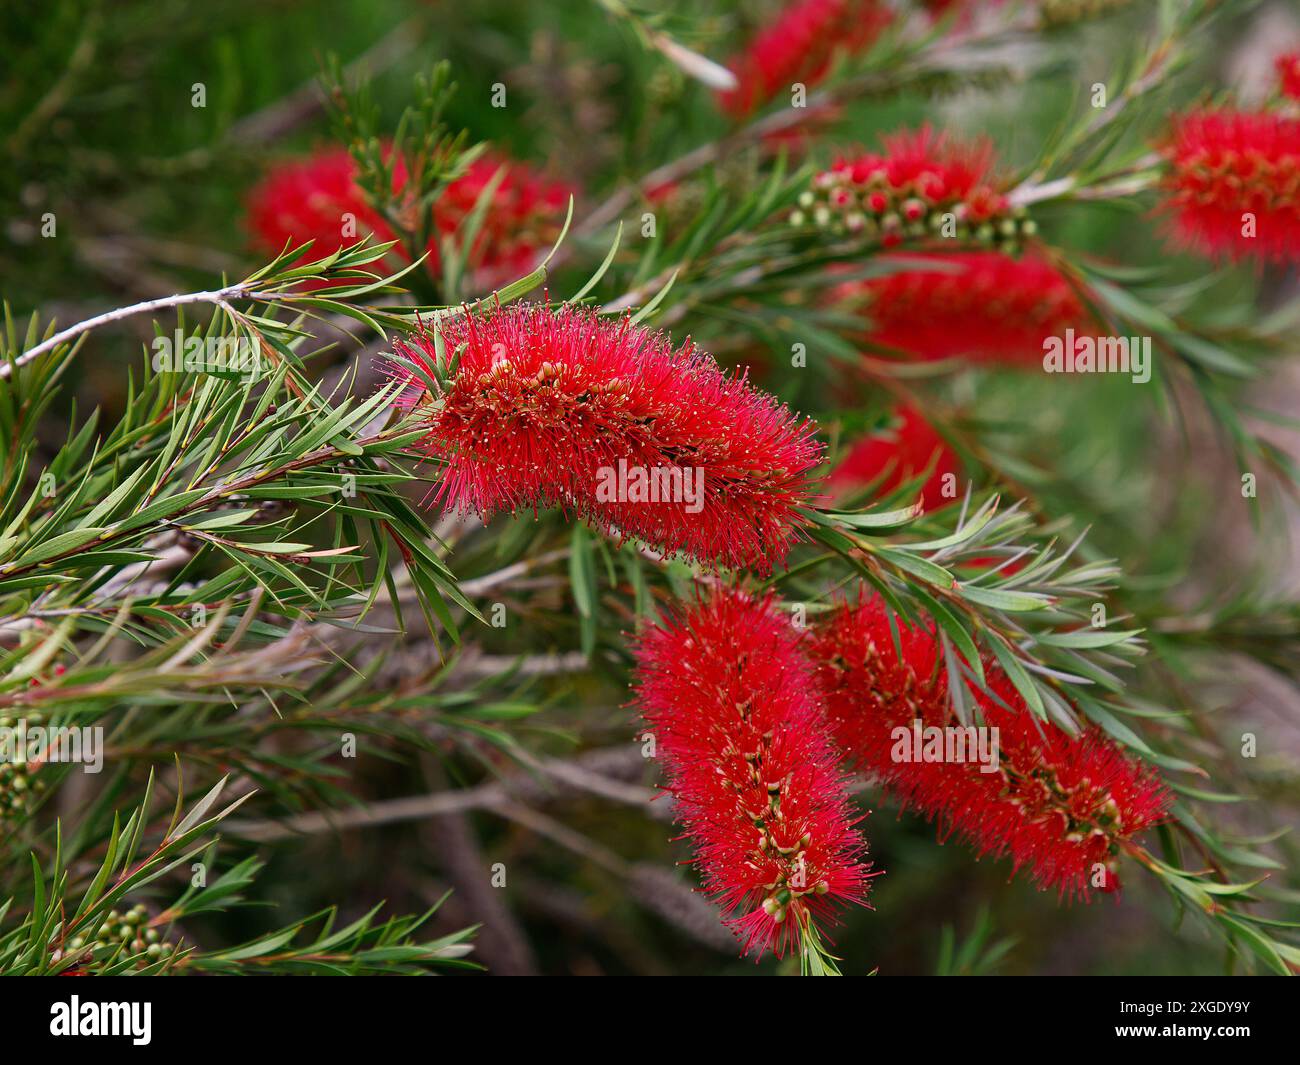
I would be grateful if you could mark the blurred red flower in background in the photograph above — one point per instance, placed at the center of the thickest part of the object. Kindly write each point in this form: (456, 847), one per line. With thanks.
(896, 454)
(801, 45)
(317, 199)
(983, 306)
(1288, 73)
(1233, 184)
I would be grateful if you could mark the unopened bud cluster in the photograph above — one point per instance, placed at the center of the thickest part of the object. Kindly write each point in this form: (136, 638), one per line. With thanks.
(854, 201)
(19, 784)
(120, 933)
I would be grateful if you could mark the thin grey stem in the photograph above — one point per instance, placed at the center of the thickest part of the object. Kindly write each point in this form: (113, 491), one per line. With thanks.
(216, 296)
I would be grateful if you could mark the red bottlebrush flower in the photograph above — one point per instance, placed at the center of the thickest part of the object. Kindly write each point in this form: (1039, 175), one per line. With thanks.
(983, 306)
(607, 420)
(800, 46)
(318, 199)
(523, 221)
(1059, 805)
(911, 188)
(312, 199)
(1233, 184)
(751, 766)
(1288, 74)
(896, 455)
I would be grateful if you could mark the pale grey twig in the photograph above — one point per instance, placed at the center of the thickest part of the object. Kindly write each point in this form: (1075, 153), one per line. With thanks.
(598, 765)
(219, 297)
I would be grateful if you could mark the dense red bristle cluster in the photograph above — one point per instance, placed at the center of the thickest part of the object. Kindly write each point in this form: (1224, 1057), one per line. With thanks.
(898, 453)
(1288, 74)
(919, 183)
(1233, 184)
(749, 761)
(543, 401)
(801, 45)
(983, 306)
(1060, 806)
(317, 199)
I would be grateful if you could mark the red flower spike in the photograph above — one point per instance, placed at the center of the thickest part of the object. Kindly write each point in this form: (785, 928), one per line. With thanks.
(1288, 74)
(899, 453)
(751, 767)
(318, 199)
(801, 45)
(563, 408)
(1233, 184)
(983, 306)
(1058, 805)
